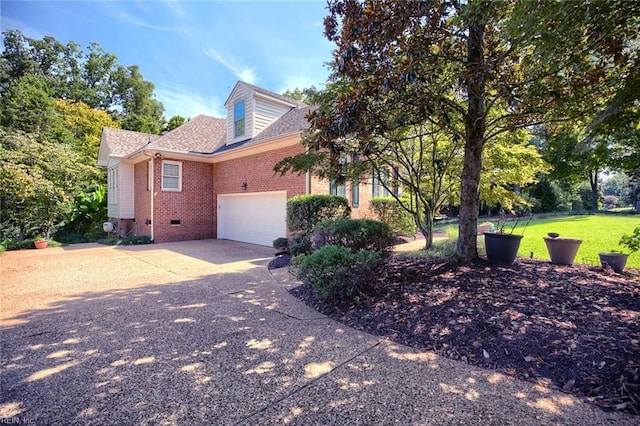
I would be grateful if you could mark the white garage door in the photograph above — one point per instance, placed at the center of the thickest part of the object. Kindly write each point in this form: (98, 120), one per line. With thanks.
(257, 218)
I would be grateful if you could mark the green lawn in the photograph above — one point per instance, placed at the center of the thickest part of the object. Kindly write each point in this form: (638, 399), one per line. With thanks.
(598, 233)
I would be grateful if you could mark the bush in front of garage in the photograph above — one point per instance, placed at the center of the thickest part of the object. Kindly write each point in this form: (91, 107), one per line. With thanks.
(304, 212)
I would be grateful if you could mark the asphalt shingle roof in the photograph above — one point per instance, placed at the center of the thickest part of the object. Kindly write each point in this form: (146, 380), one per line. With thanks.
(200, 134)
(204, 134)
(124, 142)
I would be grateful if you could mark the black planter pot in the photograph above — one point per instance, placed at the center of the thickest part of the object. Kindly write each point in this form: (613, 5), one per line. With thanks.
(502, 248)
(562, 251)
(617, 261)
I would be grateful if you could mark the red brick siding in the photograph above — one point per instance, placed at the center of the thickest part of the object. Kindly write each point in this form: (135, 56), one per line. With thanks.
(321, 186)
(142, 199)
(257, 171)
(196, 205)
(193, 206)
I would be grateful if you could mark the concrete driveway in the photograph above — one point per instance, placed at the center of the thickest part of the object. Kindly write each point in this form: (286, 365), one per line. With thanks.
(201, 332)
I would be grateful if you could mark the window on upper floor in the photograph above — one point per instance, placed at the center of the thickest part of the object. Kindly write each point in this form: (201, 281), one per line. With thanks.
(238, 119)
(171, 176)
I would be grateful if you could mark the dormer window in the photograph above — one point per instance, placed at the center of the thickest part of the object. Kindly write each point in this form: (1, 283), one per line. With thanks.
(238, 119)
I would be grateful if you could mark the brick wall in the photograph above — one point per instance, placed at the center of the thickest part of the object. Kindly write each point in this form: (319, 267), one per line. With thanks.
(193, 206)
(142, 199)
(257, 171)
(321, 186)
(196, 205)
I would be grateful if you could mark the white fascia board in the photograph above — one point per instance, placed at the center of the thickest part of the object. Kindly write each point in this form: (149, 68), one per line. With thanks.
(279, 142)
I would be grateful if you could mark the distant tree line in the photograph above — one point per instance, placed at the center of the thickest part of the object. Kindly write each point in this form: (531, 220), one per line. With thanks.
(55, 99)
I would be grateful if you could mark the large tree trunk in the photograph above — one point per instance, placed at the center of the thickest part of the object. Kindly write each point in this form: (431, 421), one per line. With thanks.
(475, 125)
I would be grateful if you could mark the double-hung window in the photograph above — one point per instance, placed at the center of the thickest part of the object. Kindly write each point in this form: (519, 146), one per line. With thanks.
(355, 185)
(238, 119)
(378, 188)
(171, 176)
(335, 189)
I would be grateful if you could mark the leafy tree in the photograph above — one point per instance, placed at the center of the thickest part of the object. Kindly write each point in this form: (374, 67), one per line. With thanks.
(140, 110)
(308, 95)
(618, 185)
(175, 121)
(84, 125)
(36, 184)
(27, 105)
(509, 161)
(93, 77)
(475, 70)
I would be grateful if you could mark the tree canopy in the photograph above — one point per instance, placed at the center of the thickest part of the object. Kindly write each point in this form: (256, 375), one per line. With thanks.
(92, 76)
(475, 70)
(54, 101)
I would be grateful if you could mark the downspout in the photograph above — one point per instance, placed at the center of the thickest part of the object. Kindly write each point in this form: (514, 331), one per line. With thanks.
(152, 191)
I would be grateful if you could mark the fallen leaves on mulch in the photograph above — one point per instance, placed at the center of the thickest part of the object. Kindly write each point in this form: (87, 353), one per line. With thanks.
(575, 328)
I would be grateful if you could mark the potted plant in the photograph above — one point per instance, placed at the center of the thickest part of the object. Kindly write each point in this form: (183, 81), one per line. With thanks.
(562, 251)
(617, 260)
(40, 242)
(502, 246)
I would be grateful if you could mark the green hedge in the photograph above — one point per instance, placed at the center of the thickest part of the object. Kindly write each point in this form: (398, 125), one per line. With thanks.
(354, 234)
(304, 212)
(389, 211)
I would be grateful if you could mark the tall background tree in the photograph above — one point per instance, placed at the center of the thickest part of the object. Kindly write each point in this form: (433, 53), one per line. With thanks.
(54, 101)
(93, 77)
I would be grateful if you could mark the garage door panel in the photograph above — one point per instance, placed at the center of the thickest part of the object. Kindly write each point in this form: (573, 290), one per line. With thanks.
(256, 218)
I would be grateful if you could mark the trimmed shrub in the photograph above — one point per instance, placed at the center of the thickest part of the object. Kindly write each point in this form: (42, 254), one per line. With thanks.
(337, 273)
(304, 212)
(281, 243)
(354, 234)
(389, 211)
(300, 244)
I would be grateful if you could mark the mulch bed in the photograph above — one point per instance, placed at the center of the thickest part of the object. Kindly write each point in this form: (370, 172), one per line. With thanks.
(574, 328)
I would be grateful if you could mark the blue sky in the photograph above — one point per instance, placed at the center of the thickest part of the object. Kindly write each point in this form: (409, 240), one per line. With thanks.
(193, 51)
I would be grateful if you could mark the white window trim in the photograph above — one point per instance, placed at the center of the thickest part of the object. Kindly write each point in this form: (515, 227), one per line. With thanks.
(236, 120)
(179, 164)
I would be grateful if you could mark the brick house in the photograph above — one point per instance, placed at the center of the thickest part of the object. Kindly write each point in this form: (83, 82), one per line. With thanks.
(213, 177)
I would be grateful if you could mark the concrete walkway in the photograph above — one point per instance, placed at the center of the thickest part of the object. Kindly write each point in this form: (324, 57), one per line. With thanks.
(201, 332)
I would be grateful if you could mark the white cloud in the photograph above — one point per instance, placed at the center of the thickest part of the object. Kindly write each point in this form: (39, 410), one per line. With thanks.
(243, 73)
(174, 6)
(179, 100)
